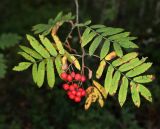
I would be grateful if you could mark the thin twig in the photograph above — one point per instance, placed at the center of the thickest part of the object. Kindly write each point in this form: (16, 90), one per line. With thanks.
(77, 21)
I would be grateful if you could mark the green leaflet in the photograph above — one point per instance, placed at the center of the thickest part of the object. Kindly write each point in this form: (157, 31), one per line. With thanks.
(108, 79)
(41, 73)
(34, 72)
(37, 46)
(118, 49)
(42, 28)
(88, 39)
(50, 73)
(135, 94)
(94, 45)
(145, 92)
(105, 49)
(100, 69)
(109, 31)
(139, 69)
(144, 79)
(22, 66)
(131, 64)
(123, 91)
(58, 64)
(49, 46)
(97, 26)
(31, 52)
(27, 56)
(115, 82)
(124, 59)
(85, 36)
(124, 42)
(118, 36)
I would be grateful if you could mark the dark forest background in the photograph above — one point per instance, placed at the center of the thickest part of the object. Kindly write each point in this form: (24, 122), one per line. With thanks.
(24, 106)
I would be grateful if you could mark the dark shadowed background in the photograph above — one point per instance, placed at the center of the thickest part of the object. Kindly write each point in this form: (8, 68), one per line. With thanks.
(24, 106)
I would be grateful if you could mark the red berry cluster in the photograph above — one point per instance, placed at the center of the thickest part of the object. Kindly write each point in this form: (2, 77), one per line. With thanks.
(73, 75)
(74, 92)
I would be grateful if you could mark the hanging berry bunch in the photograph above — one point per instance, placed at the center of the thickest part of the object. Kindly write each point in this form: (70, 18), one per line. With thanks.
(121, 71)
(73, 85)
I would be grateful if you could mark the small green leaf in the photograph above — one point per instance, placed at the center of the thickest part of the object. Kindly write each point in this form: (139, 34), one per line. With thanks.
(108, 79)
(58, 64)
(97, 26)
(105, 49)
(131, 64)
(34, 72)
(22, 66)
(31, 52)
(135, 94)
(118, 49)
(144, 79)
(37, 46)
(49, 46)
(124, 42)
(125, 59)
(123, 91)
(139, 69)
(50, 73)
(85, 36)
(118, 36)
(115, 82)
(145, 92)
(87, 22)
(27, 56)
(41, 73)
(94, 45)
(110, 31)
(88, 39)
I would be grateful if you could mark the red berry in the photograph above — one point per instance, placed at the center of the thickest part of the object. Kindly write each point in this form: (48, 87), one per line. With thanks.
(69, 93)
(69, 78)
(71, 88)
(73, 74)
(77, 99)
(79, 94)
(77, 77)
(71, 96)
(83, 93)
(65, 86)
(83, 78)
(64, 76)
(80, 89)
(75, 85)
(73, 92)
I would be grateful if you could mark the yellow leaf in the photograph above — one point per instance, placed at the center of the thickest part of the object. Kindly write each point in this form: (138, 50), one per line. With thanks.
(76, 63)
(100, 88)
(100, 69)
(58, 44)
(110, 56)
(88, 103)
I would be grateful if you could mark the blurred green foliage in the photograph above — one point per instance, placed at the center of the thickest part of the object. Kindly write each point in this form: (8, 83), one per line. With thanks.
(25, 106)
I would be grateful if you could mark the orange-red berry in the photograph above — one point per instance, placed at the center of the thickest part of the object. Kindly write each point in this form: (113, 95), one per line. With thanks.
(65, 86)
(77, 77)
(73, 74)
(69, 78)
(77, 99)
(64, 76)
(83, 78)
